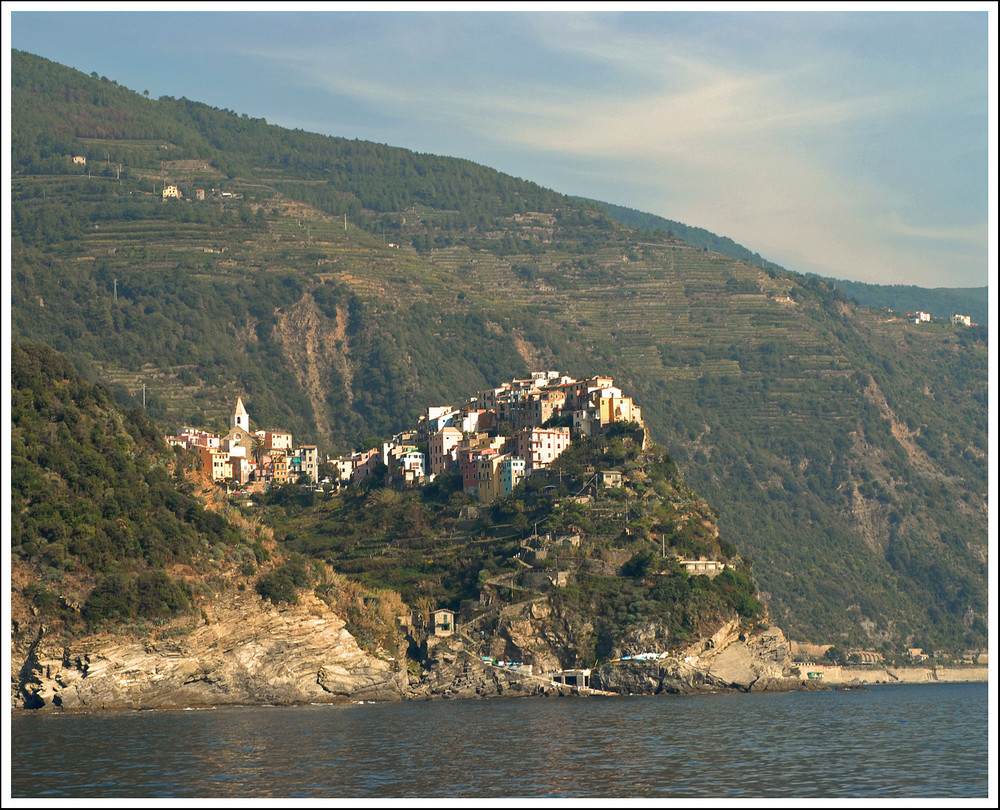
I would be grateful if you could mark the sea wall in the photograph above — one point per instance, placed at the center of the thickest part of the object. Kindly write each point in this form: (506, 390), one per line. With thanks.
(835, 675)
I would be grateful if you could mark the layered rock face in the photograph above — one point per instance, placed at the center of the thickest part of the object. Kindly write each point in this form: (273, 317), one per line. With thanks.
(248, 652)
(251, 652)
(729, 660)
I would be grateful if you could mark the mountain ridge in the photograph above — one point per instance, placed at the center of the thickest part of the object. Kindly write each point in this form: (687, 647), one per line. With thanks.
(793, 411)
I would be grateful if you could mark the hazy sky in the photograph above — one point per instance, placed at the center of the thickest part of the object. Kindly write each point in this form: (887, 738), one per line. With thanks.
(850, 142)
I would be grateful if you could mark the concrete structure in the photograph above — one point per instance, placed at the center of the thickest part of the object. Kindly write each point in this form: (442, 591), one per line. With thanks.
(573, 677)
(411, 466)
(610, 478)
(364, 464)
(710, 568)
(512, 471)
(274, 439)
(304, 461)
(190, 438)
(438, 417)
(223, 465)
(442, 622)
(279, 468)
(442, 449)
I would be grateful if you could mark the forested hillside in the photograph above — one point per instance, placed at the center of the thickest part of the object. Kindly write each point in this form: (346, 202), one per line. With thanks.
(341, 287)
(939, 302)
(102, 517)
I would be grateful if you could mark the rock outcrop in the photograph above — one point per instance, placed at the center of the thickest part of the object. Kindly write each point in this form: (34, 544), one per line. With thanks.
(247, 652)
(730, 660)
(453, 671)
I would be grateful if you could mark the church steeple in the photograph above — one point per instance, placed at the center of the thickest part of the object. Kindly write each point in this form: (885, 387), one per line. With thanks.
(240, 417)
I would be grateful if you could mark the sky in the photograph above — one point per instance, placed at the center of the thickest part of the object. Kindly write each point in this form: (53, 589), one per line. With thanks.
(836, 139)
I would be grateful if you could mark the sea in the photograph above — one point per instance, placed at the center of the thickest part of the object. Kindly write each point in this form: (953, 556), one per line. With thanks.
(882, 742)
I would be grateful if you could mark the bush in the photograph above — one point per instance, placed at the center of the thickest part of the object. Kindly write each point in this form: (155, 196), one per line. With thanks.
(119, 597)
(280, 585)
(160, 597)
(640, 565)
(115, 598)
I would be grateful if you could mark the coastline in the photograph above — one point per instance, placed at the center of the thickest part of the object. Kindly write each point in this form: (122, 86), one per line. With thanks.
(247, 652)
(849, 677)
(889, 675)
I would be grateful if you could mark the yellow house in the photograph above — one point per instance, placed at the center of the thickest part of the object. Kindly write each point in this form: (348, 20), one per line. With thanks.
(617, 409)
(280, 470)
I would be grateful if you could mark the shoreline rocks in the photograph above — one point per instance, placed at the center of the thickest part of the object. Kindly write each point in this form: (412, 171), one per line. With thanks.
(250, 652)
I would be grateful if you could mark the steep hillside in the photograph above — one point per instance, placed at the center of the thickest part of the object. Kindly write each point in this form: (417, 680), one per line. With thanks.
(105, 526)
(699, 237)
(341, 287)
(939, 302)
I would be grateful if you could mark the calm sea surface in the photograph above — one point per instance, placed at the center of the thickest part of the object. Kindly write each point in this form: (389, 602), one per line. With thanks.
(888, 741)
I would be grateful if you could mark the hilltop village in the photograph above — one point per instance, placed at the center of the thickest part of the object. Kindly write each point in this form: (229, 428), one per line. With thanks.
(494, 441)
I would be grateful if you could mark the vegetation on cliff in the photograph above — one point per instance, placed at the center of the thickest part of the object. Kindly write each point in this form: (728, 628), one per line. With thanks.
(844, 449)
(104, 512)
(439, 547)
(99, 509)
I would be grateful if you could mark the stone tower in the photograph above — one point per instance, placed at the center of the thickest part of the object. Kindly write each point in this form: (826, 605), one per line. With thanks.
(240, 417)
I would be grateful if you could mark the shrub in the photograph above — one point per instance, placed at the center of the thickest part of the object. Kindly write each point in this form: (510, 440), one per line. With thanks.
(640, 565)
(115, 598)
(280, 584)
(159, 596)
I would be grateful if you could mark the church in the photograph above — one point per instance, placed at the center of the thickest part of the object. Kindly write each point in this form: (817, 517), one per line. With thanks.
(239, 427)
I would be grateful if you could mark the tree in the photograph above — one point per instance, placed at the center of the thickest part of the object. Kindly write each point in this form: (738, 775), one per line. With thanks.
(835, 655)
(257, 451)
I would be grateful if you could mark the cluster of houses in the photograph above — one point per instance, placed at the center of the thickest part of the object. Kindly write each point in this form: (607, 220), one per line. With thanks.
(507, 433)
(920, 317)
(172, 192)
(256, 459)
(493, 442)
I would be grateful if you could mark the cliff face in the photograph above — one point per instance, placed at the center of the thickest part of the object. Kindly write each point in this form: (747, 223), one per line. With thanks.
(729, 660)
(248, 652)
(251, 652)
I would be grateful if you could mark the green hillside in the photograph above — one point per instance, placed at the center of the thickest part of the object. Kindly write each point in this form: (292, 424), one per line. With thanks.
(939, 302)
(699, 237)
(102, 516)
(110, 535)
(341, 287)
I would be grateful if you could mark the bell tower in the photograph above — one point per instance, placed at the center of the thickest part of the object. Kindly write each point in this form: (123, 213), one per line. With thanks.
(240, 417)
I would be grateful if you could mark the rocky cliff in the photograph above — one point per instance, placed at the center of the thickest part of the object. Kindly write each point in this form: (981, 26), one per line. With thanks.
(729, 660)
(244, 651)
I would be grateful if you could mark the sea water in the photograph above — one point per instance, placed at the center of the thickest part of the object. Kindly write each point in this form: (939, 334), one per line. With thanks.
(883, 742)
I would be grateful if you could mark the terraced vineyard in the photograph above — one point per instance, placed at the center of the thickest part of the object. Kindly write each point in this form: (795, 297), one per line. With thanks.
(844, 450)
